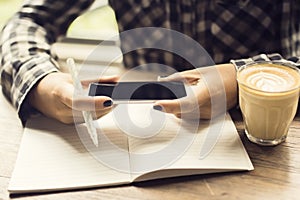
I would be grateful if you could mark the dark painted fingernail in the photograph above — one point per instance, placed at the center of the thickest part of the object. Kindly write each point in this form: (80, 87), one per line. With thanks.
(157, 107)
(161, 77)
(107, 103)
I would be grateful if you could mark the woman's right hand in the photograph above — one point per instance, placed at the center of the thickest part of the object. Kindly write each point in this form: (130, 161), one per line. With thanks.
(54, 97)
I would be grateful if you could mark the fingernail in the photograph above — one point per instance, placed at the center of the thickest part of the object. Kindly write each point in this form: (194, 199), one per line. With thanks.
(157, 107)
(107, 103)
(161, 77)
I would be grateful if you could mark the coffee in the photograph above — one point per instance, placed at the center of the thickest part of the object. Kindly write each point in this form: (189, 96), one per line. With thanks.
(268, 96)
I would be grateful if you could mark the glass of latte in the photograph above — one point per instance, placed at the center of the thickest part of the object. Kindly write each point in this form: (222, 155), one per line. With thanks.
(268, 98)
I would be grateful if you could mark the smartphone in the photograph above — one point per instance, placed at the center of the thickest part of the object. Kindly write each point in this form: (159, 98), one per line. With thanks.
(139, 91)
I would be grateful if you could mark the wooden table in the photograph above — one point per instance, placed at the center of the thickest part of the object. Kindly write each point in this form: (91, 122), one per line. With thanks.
(276, 174)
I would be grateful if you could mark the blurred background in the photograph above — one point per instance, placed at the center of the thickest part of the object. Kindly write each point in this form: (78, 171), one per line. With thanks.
(85, 26)
(97, 24)
(7, 8)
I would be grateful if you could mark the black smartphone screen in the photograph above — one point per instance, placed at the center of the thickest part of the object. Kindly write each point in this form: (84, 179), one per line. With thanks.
(139, 90)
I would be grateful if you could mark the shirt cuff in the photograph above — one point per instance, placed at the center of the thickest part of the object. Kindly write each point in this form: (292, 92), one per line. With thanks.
(30, 78)
(265, 57)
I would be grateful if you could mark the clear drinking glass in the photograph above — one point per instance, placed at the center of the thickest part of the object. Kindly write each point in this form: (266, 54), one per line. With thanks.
(268, 98)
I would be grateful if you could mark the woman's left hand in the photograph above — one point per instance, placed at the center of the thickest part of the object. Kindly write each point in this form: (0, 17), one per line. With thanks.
(212, 91)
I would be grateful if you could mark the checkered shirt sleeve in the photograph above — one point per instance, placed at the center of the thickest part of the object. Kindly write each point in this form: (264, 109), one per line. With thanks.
(25, 46)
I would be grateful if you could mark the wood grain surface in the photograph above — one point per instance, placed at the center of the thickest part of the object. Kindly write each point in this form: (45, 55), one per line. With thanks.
(276, 174)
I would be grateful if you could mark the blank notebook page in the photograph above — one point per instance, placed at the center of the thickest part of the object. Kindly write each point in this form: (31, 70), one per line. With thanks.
(52, 157)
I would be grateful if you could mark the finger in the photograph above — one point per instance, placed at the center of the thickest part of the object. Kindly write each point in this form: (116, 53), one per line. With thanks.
(96, 103)
(190, 77)
(183, 105)
(102, 79)
(83, 103)
(65, 94)
(77, 116)
(173, 77)
(100, 114)
(68, 116)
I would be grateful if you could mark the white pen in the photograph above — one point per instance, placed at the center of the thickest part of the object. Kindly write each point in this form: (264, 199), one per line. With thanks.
(86, 114)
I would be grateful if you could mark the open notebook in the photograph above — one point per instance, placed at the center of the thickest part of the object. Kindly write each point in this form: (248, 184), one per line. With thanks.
(54, 156)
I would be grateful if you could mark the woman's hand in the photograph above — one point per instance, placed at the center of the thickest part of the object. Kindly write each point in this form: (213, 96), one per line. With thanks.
(54, 97)
(213, 91)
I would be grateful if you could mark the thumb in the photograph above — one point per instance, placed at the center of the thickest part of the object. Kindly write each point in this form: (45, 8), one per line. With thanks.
(177, 106)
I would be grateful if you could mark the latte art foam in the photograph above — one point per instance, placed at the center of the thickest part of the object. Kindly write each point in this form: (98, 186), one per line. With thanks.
(270, 82)
(270, 78)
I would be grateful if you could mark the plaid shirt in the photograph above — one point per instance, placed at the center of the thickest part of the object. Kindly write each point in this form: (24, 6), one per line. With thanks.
(239, 32)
